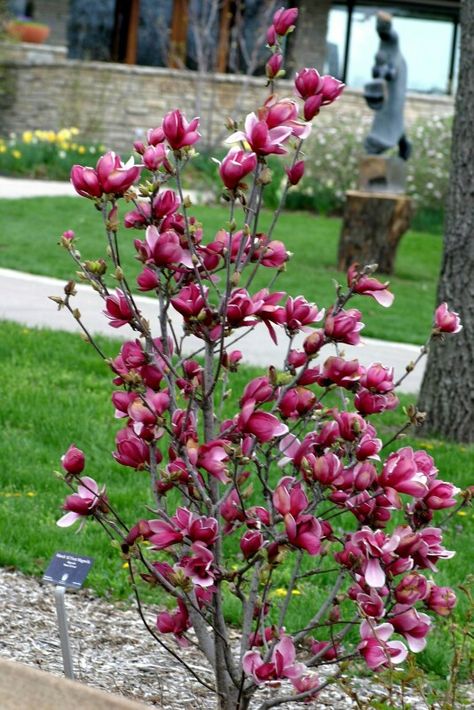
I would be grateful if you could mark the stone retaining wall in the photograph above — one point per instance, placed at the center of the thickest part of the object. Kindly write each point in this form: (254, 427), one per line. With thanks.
(116, 103)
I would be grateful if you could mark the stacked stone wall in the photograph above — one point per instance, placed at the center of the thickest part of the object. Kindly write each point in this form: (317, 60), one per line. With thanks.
(115, 103)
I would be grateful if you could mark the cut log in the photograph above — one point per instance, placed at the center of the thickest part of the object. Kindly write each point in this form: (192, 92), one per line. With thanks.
(374, 223)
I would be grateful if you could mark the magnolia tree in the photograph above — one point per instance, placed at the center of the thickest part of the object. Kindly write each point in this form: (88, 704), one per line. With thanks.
(294, 485)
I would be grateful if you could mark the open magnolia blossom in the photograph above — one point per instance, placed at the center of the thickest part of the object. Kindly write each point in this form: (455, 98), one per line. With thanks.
(258, 493)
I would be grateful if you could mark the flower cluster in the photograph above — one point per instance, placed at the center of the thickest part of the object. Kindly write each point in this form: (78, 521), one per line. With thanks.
(268, 479)
(42, 153)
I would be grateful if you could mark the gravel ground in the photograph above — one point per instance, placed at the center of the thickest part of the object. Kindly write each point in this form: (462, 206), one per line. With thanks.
(112, 651)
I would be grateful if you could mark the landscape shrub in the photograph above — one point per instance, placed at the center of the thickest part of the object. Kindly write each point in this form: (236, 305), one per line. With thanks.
(299, 479)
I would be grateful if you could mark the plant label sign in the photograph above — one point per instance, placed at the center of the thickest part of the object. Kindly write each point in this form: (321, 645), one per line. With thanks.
(68, 570)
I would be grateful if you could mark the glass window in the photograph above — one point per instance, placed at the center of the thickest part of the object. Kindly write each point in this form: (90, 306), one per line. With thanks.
(425, 43)
(336, 40)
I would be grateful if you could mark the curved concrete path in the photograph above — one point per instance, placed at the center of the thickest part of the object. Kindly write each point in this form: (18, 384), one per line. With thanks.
(24, 298)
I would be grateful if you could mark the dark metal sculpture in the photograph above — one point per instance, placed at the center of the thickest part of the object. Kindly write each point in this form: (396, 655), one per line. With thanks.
(385, 94)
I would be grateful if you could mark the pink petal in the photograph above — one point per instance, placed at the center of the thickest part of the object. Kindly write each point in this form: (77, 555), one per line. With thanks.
(374, 574)
(68, 519)
(384, 298)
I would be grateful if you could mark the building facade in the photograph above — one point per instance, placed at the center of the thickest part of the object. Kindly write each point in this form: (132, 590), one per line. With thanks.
(338, 37)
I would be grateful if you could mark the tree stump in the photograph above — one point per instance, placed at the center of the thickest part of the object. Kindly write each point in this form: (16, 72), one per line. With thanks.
(374, 223)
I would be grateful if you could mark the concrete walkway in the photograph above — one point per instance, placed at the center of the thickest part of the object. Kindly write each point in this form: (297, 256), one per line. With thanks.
(15, 188)
(24, 298)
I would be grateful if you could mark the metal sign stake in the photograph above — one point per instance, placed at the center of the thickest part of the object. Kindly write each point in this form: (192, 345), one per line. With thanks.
(59, 592)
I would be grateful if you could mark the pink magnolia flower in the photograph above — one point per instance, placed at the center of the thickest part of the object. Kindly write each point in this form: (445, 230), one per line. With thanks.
(289, 497)
(189, 301)
(236, 166)
(85, 502)
(274, 254)
(411, 624)
(263, 425)
(401, 473)
(139, 530)
(295, 172)
(117, 309)
(139, 218)
(268, 311)
(314, 342)
(411, 589)
(447, 321)
(213, 458)
(85, 181)
(371, 605)
(231, 511)
(368, 286)
(331, 89)
(73, 461)
(368, 446)
(377, 547)
(367, 402)
(348, 425)
(155, 136)
(441, 600)
(283, 112)
(440, 495)
(176, 623)
(250, 543)
(271, 36)
(231, 360)
(304, 532)
(312, 106)
(240, 307)
(131, 450)
(198, 567)
(428, 549)
(165, 203)
(258, 390)
(300, 313)
(377, 651)
(161, 249)
(114, 176)
(121, 401)
(284, 20)
(261, 139)
(377, 378)
(164, 534)
(274, 65)
(297, 402)
(154, 156)
(147, 280)
(178, 132)
(282, 663)
(337, 370)
(344, 327)
(325, 468)
(307, 83)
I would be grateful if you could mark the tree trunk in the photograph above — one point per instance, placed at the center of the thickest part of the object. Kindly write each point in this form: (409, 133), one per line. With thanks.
(372, 228)
(447, 392)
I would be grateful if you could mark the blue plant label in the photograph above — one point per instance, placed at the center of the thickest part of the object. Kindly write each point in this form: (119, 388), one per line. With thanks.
(68, 570)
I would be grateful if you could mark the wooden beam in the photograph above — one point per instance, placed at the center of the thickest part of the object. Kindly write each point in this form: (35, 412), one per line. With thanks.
(132, 32)
(179, 33)
(224, 39)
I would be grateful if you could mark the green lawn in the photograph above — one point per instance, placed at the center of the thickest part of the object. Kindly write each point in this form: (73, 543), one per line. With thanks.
(31, 228)
(56, 391)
